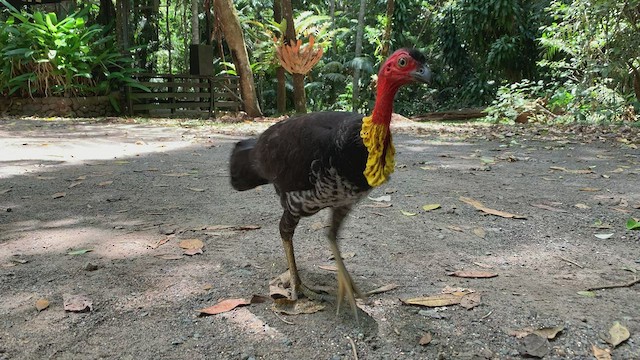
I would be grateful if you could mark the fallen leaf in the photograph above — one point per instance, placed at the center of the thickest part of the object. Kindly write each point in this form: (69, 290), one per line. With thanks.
(469, 301)
(224, 306)
(633, 224)
(549, 332)
(160, 242)
(382, 289)
(617, 334)
(169, 256)
(191, 244)
(479, 206)
(479, 232)
(474, 274)
(430, 207)
(344, 255)
(582, 206)
(176, 174)
(589, 294)
(59, 195)
(456, 291)
(407, 213)
(318, 225)
(483, 265)
(259, 299)
(434, 300)
(536, 346)
(601, 354)
(74, 184)
(603, 236)
(192, 252)
(386, 198)
(5, 191)
(455, 228)
(301, 306)
(550, 208)
(79, 251)
(279, 286)
(105, 183)
(328, 267)
(571, 171)
(42, 304)
(196, 189)
(589, 189)
(425, 339)
(77, 303)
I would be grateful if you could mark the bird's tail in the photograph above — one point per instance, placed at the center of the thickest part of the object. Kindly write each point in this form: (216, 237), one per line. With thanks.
(243, 173)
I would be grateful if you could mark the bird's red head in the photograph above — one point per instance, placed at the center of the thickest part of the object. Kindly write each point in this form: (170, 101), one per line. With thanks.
(403, 67)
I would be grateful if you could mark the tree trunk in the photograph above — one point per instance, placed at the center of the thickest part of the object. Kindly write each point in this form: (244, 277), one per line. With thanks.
(195, 24)
(356, 72)
(299, 98)
(386, 36)
(228, 18)
(281, 88)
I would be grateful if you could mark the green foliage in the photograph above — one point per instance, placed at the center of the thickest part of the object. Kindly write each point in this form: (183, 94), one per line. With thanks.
(42, 56)
(592, 51)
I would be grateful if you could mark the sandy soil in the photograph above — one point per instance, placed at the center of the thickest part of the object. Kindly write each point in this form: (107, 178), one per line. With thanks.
(130, 193)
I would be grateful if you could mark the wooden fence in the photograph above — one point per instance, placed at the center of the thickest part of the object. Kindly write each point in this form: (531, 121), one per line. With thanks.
(184, 95)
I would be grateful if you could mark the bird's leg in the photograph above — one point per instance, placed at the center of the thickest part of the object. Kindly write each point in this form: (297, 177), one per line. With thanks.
(288, 223)
(346, 286)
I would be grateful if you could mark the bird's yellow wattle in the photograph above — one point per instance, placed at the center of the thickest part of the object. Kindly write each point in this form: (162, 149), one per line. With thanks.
(380, 161)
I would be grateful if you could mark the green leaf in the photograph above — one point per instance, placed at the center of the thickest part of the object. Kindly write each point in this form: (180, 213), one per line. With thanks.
(589, 294)
(407, 213)
(79, 252)
(632, 224)
(430, 207)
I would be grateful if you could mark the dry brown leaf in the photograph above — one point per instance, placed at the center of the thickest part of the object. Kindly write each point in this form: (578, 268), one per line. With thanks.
(77, 303)
(434, 300)
(479, 232)
(469, 301)
(474, 274)
(278, 287)
(160, 243)
(328, 267)
(377, 205)
(42, 304)
(590, 189)
(601, 354)
(549, 332)
(224, 306)
(105, 183)
(344, 255)
(59, 195)
(582, 206)
(301, 306)
(479, 206)
(382, 289)
(192, 252)
(571, 171)
(519, 334)
(425, 339)
(191, 244)
(455, 228)
(74, 184)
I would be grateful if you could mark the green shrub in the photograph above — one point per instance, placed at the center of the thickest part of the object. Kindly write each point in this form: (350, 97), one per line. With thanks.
(43, 56)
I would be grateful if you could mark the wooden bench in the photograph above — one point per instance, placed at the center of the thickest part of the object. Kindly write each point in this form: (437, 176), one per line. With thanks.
(173, 95)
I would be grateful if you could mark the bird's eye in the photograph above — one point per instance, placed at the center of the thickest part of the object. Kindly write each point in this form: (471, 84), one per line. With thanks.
(402, 62)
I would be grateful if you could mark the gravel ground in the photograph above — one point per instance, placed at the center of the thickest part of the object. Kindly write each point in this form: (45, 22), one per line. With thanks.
(121, 197)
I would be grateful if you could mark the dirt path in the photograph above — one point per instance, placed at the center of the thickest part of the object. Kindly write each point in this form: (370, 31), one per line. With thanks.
(121, 190)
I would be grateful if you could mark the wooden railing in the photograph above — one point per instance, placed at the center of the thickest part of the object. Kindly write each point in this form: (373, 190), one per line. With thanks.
(186, 95)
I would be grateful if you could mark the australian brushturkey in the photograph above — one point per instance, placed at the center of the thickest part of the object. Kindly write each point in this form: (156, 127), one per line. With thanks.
(327, 159)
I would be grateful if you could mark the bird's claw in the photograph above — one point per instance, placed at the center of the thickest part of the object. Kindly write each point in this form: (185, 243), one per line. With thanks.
(347, 289)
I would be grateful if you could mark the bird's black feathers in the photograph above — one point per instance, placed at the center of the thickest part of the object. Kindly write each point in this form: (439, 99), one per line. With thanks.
(243, 173)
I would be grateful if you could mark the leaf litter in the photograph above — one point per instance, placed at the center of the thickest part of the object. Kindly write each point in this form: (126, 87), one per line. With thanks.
(479, 206)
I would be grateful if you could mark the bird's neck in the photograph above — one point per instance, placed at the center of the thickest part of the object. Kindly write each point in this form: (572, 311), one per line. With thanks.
(377, 137)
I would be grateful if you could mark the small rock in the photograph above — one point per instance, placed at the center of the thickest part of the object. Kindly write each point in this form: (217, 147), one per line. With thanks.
(91, 267)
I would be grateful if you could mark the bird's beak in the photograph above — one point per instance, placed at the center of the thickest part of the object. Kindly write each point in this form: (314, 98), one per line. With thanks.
(422, 74)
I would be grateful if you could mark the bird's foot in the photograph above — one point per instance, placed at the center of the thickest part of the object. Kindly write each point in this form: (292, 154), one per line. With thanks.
(347, 289)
